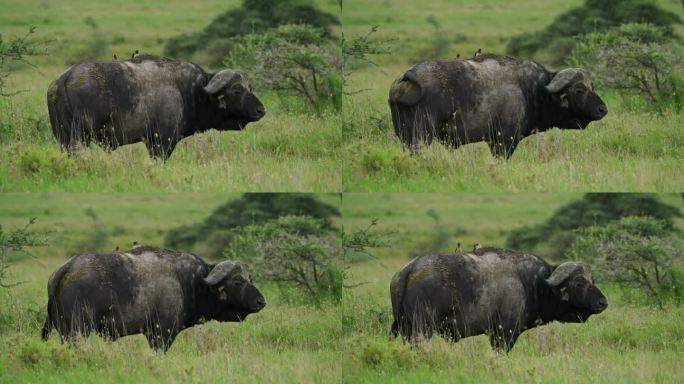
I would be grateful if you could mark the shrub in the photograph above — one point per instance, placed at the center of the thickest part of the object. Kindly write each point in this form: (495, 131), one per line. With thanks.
(358, 51)
(558, 232)
(252, 17)
(555, 42)
(638, 59)
(355, 244)
(16, 51)
(298, 62)
(13, 245)
(35, 353)
(636, 253)
(213, 234)
(295, 252)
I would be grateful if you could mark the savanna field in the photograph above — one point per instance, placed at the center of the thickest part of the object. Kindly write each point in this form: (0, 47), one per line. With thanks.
(627, 343)
(288, 150)
(285, 342)
(629, 150)
(356, 206)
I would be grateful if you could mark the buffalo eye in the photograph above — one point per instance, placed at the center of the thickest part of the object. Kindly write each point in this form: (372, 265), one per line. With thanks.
(237, 89)
(222, 102)
(581, 91)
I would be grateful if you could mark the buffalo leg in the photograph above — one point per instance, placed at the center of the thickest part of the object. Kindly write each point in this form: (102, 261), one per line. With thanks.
(160, 340)
(394, 331)
(158, 145)
(159, 151)
(160, 332)
(503, 338)
(449, 331)
(502, 148)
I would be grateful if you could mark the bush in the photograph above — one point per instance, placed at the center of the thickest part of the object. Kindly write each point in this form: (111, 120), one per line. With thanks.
(35, 353)
(357, 52)
(555, 43)
(212, 235)
(638, 59)
(355, 244)
(636, 253)
(295, 252)
(16, 51)
(298, 62)
(252, 17)
(13, 245)
(558, 232)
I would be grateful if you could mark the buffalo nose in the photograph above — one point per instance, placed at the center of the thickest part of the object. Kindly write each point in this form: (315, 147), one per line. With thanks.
(261, 111)
(261, 302)
(603, 303)
(603, 110)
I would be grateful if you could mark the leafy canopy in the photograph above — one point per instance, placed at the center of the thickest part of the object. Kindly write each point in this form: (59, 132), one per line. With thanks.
(556, 41)
(554, 237)
(212, 235)
(253, 16)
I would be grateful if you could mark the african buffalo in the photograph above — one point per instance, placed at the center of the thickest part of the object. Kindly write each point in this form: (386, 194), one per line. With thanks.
(492, 98)
(148, 290)
(152, 99)
(490, 291)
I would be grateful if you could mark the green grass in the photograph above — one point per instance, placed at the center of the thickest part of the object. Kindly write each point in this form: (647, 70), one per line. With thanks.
(285, 151)
(285, 342)
(625, 344)
(626, 151)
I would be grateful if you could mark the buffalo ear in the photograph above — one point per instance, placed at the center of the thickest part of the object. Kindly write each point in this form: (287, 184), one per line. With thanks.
(564, 78)
(563, 272)
(406, 90)
(219, 80)
(220, 272)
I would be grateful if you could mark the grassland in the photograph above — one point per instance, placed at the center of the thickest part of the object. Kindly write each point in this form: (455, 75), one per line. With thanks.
(285, 151)
(625, 344)
(626, 151)
(285, 342)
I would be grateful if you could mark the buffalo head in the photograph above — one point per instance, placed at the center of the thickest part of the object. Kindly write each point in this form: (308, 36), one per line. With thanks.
(572, 91)
(573, 285)
(232, 95)
(232, 285)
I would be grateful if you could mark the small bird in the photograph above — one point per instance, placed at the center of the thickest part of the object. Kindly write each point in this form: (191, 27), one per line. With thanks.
(478, 53)
(458, 55)
(135, 245)
(476, 247)
(135, 54)
(116, 249)
(115, 58)
(458, 247)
